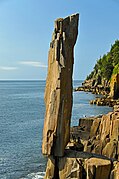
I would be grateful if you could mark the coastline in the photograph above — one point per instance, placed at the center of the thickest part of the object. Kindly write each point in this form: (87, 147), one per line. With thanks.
(29, 117)
(104, 98)
(92, 150)
(91, 144)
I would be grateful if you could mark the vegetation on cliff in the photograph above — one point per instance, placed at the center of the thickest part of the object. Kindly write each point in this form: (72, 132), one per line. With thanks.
(106, 65)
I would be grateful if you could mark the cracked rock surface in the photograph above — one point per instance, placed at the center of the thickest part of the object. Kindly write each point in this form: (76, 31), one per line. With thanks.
(58, 91)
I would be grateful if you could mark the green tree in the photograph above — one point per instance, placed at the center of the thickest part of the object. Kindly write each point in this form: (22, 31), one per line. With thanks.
(107, 64)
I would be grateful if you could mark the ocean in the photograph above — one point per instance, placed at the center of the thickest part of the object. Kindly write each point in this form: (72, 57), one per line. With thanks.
(21, 122)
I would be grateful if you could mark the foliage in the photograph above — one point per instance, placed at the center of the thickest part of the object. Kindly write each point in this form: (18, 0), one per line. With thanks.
(116, 69)
(107, 64)
(90, 75)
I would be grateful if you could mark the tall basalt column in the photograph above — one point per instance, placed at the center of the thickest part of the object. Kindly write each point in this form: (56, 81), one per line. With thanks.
(58, 92)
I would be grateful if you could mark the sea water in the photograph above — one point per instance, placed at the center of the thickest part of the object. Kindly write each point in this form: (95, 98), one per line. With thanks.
(21, 122)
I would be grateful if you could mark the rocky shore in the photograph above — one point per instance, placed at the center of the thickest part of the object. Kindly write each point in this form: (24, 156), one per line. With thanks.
(93, 150)
(105, 102)
(104, 78)
(106, 93)
(98, 135)
(89, 150)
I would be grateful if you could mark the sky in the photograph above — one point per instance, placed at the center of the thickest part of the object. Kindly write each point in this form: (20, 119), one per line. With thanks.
(26, 28)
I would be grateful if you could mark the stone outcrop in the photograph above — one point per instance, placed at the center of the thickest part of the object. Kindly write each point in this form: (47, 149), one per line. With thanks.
(87, 151)
(87, 128)
(105, 101)
(98, 168)
(58, 92)
(93, 86)
(80, 165)
(100, 134)
(115, 171)
(108, 135)
(99, 156)
(114, 86)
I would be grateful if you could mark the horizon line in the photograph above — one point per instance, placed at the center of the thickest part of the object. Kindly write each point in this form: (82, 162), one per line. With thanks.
(31, 79)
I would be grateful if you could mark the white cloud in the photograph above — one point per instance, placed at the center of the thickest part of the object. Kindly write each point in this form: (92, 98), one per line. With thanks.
(8, 68)
(33, 64)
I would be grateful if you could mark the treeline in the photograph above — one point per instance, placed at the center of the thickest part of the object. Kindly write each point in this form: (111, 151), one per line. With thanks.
(107, 65)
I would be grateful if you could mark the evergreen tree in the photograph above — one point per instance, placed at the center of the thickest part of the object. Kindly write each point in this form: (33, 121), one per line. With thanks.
(108, 64)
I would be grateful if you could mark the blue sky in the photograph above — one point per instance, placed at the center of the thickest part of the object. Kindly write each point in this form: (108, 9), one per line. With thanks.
(26, 28)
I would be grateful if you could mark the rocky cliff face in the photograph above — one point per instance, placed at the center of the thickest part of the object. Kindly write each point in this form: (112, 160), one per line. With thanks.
(104, 135)
(93, 150)
(106, 70)
(80, 165)
(99, 156)
(58, 92)
(114, 86)
(99, 135)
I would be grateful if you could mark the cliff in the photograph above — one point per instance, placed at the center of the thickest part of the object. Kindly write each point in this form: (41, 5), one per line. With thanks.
(99, 135)
(87, 151)
(114, 86)
(100, 80)
(100, 139)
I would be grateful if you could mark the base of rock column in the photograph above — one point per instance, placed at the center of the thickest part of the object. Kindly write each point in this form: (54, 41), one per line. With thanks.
(78, 165)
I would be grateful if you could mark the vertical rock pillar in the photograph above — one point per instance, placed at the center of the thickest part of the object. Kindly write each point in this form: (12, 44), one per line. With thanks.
(58, 92)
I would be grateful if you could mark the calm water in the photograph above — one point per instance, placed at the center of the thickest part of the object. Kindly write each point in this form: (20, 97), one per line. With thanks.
(21, 123)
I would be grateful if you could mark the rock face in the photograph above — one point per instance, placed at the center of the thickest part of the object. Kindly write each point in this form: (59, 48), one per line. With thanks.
(98, 168)
(114, 86)
(93, 152)
(80, 165)
(108, 135)
(115, 171)
(100, 134)
(58, 92)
